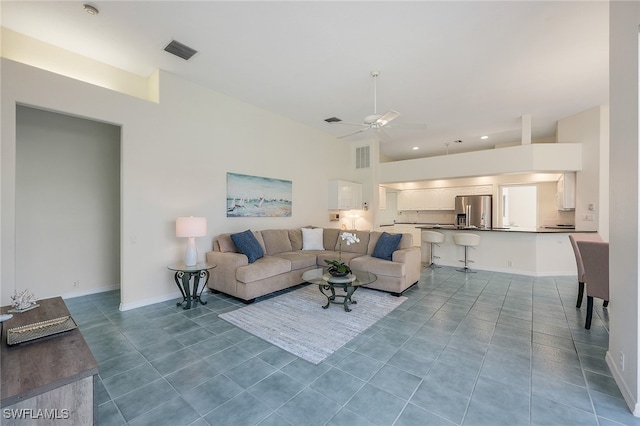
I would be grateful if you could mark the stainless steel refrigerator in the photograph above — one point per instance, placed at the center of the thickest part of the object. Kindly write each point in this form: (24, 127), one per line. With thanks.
(474, 211)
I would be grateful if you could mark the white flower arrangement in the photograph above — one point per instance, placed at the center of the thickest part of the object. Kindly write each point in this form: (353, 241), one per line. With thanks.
(349, 238)
(336, 265)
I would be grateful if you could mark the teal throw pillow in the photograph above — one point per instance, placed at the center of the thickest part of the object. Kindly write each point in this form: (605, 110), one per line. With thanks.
(386, 245)
(247, 244)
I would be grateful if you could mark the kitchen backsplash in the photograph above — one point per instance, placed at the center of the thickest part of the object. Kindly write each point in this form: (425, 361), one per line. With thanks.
(426, 216)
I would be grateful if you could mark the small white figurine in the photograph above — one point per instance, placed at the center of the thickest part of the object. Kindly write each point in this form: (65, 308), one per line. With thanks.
(23, 300)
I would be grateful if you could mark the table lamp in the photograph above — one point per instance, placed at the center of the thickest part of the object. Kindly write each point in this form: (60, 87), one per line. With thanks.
(191, 227)
(354, 217)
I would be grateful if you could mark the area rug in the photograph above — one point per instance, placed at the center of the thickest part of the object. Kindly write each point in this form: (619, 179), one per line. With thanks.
(296, 322)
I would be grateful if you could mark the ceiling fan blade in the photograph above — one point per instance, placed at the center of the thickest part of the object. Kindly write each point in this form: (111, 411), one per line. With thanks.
(352, 124)
(354, 133)
(387, 117)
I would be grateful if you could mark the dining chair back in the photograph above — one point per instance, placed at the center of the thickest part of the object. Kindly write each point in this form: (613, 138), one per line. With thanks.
(574, 238)
(595, 258)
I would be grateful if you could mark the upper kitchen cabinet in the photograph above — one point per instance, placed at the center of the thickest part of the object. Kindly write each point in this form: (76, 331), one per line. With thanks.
(440, 199)
(411, 199)
(344, 195)
(566, 195)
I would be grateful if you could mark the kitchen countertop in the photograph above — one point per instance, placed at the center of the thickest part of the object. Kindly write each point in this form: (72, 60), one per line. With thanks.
(435, 226)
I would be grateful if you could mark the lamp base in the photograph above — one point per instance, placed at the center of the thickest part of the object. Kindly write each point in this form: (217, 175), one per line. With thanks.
(191, 253)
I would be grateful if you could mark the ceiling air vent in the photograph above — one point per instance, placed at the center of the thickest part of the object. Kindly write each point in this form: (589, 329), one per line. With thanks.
(180, 50)
(362, 157)
(332, 120)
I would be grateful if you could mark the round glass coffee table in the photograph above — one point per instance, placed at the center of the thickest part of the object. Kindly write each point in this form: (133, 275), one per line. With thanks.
(349, 284)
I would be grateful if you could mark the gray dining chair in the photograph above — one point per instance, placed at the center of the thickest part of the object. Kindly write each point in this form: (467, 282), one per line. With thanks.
(595, 258)
(574, 238)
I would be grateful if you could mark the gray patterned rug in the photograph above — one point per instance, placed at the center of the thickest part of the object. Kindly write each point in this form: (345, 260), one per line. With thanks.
(296, 322)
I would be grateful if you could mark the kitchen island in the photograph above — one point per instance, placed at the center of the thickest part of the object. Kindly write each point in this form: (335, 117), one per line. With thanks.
(524, 251)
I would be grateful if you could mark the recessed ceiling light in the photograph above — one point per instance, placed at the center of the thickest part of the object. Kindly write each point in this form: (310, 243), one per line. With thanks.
(415, 148)
(91, 10)
(484, 137)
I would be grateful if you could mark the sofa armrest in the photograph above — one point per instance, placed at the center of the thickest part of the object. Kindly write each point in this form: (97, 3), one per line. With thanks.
(412, 258)
(223, 276)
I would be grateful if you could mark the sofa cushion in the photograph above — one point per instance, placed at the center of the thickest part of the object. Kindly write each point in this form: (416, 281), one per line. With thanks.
(299, 259)
(360, 247)
(295, 236)
(406, 242)
(247, 244)
(312, 239)
(265, 267)
(276, 241)
(225, 244)
(386, 245)
(330, 238)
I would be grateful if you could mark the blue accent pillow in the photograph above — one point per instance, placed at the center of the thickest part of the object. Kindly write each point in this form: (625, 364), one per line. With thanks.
(247, 244)
(386, 245)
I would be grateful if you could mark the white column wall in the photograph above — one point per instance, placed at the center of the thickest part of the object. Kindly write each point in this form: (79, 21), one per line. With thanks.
(624, 220)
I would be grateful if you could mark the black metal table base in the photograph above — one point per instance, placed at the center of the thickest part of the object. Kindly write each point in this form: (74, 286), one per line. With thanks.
(331, 297)
(183, 281)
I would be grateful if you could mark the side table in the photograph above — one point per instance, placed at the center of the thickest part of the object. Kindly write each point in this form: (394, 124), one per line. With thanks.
(183, 275)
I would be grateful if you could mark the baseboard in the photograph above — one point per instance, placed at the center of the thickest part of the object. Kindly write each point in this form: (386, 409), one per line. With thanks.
(177, 296)
(633, 405)
(511, 271)
(90, 291)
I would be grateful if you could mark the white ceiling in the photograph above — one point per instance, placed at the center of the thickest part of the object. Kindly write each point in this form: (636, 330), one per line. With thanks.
(465, 69)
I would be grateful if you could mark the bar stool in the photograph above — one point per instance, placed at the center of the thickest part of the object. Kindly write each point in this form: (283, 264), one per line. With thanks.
(433, 238)
(466, 240)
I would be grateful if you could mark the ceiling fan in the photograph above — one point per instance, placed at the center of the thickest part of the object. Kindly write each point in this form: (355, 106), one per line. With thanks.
(375, 121)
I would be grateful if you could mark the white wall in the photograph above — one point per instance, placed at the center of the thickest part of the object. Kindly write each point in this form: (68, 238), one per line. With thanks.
(625, 218)
(537, 157)
(585, 127)
(175, 156)
(67, 204)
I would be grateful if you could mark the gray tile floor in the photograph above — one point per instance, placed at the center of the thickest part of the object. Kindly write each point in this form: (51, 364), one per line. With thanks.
(464, 349)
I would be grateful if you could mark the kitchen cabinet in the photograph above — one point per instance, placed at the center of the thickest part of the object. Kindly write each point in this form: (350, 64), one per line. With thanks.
(447, 198)
(438, 198)
(344, 195)
(566, 195)
(431, 199)
(411, 199)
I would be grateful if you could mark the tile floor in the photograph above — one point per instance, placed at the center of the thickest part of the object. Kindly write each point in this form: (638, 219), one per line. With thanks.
(464, 349)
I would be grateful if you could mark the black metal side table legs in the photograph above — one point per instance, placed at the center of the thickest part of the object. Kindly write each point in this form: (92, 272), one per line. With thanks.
(183, 280)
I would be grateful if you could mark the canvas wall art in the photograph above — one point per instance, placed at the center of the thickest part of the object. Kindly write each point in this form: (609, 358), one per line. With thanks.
(254, 196)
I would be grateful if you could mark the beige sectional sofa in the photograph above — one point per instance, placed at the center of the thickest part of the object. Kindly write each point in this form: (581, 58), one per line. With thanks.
(285, 261)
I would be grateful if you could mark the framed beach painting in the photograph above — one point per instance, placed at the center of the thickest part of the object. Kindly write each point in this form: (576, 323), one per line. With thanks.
(254, 196)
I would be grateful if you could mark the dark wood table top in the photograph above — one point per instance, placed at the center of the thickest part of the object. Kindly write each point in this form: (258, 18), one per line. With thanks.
(38, 366)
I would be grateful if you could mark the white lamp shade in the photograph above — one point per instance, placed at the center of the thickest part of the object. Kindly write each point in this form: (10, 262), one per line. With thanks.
(191, 226)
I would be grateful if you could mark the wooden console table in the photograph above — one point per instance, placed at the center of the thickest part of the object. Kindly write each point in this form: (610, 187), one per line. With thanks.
(50, 380)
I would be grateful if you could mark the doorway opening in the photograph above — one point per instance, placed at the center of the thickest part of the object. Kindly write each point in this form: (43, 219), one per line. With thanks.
(518, 206)
(67, 204)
